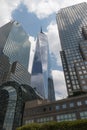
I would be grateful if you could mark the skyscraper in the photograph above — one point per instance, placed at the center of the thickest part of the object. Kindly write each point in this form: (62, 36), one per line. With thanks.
(14, 42)
(39, 78)
(72, 31)
(15, 87)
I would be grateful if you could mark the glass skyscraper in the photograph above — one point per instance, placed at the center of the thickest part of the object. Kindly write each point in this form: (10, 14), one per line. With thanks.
(14, 42)
(15, 87)
(39, 78)
(72, 31)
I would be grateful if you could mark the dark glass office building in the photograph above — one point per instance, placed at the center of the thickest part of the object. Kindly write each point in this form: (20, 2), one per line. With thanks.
(72, 28)
(39, 78)
(14, 42)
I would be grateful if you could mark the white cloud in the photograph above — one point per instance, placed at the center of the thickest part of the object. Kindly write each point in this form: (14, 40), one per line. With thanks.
(42, 8)
(59, 83)
(66, 3)
(6, 8)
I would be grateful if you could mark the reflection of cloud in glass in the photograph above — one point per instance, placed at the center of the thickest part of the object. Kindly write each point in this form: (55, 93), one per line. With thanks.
(17, 46)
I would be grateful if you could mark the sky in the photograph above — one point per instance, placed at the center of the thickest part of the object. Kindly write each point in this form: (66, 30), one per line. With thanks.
(34, 14)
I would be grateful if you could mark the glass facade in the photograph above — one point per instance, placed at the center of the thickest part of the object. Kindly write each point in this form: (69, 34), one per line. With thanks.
(19, 74)
(70, 21)
(15, 43)
(39, 78)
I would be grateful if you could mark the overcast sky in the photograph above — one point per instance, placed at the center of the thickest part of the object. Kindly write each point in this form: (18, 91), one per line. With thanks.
(33, 14)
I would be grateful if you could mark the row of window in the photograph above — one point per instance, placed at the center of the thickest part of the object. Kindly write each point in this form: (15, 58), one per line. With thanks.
(59, 118)
(45, 119)
(57, 108)
(66, 117)
(79, 103)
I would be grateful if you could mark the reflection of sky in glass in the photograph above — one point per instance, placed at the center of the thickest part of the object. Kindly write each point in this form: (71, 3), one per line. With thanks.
(17, 46)
(9, 117)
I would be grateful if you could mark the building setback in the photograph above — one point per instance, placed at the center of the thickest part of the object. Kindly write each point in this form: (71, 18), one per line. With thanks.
(72, 28)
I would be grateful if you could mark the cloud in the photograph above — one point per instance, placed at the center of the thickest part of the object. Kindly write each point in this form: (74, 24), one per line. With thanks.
(6, 8)
(59, 83)
(66, 3)
(42, 8)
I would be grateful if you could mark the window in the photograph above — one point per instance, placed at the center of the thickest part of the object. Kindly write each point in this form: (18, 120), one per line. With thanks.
(57, 107)
(85, 76)
(64, 106)
(44, 109)
(83, 67)
(70, 90)
(83, 82)
(79, 103)
(29, 121)
(85, 87)
(68, 81)
(80, 72)
(84, 71)
(69, 85)
(66, 117)
(44, 119)
(83, 115)
(50, 108)
(85, 101)
(71, 104)
(81, 76)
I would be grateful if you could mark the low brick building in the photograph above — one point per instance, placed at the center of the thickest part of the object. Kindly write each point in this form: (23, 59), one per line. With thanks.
(62, 110)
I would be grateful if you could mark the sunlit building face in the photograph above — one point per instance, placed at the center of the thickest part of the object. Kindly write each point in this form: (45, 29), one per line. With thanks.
(14, 42)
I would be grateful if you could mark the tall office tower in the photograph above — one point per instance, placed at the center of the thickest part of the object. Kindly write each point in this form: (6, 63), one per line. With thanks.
(39, 78)
(14, 42)
(72, 23)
